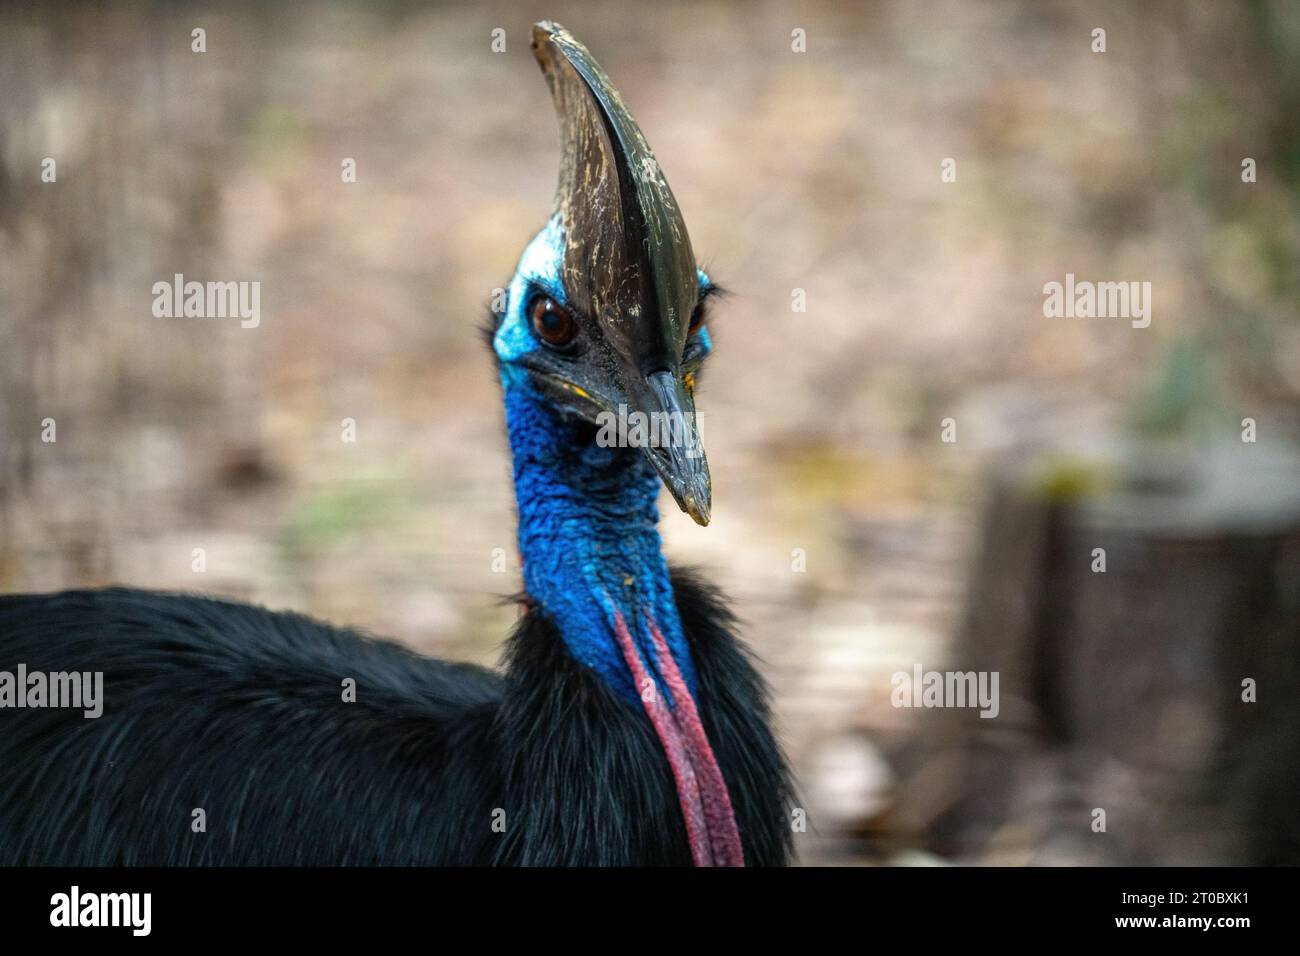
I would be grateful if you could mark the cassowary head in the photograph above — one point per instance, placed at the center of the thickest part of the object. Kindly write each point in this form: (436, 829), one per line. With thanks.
(605, 314)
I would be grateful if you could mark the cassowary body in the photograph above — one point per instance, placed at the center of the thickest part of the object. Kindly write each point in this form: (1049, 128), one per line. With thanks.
(236, 711)
(628, 725)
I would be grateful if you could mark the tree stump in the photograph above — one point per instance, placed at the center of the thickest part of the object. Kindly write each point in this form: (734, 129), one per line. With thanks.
(1127, 691)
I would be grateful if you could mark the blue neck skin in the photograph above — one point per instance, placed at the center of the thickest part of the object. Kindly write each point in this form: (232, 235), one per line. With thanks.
(589, 542)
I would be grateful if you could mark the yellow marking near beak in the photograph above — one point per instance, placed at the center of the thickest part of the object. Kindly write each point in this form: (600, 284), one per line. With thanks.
(575, 389)
(689, 383)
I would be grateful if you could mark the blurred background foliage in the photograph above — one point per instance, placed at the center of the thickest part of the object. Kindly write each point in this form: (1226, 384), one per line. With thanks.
(816, 171)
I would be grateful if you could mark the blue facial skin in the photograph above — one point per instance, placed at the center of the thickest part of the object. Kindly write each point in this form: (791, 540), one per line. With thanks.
(587, 516)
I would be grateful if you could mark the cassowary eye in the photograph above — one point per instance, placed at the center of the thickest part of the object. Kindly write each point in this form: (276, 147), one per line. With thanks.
(697, 317)
(552, 322)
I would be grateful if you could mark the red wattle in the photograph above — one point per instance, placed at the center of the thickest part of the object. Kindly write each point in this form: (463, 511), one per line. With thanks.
(701, 790)
(724, 835)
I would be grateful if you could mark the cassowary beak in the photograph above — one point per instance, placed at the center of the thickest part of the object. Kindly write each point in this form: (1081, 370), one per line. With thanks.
(678, 456)
(628, 267)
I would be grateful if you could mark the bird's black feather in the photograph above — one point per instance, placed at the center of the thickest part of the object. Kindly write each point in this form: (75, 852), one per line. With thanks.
(239, 712)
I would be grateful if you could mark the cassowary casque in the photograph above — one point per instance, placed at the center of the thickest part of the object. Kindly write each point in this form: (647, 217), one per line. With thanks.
(627, 726)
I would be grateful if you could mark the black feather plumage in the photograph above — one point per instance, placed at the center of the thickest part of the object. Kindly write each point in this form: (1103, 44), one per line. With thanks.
(239, 712)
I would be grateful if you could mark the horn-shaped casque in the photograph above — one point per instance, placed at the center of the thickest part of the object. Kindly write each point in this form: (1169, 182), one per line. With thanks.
(628, 262)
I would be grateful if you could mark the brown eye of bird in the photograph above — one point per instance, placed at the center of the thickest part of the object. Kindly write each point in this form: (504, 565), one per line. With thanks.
(552, 322)
(697, 317)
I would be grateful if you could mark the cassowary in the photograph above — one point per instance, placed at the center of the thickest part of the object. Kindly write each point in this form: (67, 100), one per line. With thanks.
(628, 725)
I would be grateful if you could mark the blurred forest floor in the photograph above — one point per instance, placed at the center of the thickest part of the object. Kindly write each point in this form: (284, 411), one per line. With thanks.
(817, 171)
